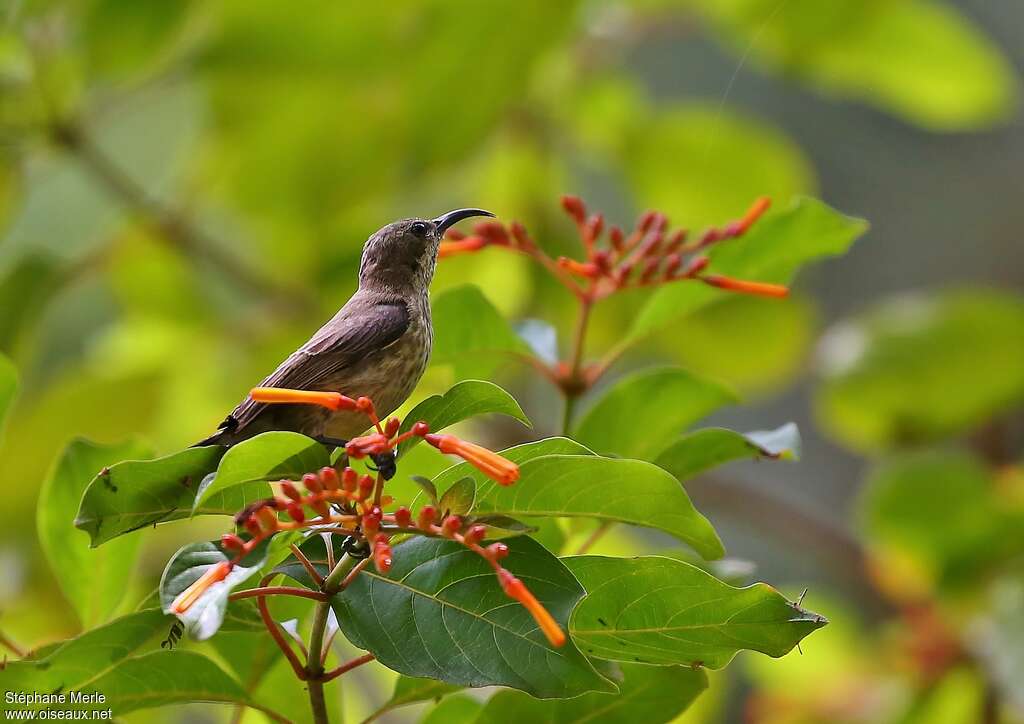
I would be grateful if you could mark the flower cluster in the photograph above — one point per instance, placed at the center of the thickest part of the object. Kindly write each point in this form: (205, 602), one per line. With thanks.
(352, 504)
(650, 254)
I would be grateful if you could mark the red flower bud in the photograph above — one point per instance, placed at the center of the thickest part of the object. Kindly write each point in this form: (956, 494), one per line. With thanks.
(268, 521)
(420, 429)
(382, 554)
(289, 489)
(574, 206)
(426, 518)
(616, 237)
(349, 479)
(497, 551)
(231, 542)
(253, 526)
(391, 428)
(475, 534)
(695, 266)
(451, 525)
(464, 246)
(310, 482)
(296, 513)
(366, 485)
(403, 517)
(329, 478)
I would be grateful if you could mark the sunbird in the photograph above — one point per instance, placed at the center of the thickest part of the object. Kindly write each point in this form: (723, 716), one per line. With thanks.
(376, 346)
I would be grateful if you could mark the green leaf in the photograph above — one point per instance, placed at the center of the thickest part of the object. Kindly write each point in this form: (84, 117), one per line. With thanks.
(662, 611)
(917, 369)
(136, 493)
(649, 694)
(642, 412)
(91, 579)
(162, 678)
(470, 334)
(774, 249)
(204, 617)
(427, 486)
(76, 663)
(440, 613)
(921, 60)
(8, 386)
(465, 400)
(708, 448)
(588, 486)
(939, 512)
(458, 709)
(410, 690)
(269, 456)
(459, 498)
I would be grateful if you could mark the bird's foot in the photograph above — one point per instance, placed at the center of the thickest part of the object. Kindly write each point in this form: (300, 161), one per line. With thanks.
(336, 442)
(386, 464)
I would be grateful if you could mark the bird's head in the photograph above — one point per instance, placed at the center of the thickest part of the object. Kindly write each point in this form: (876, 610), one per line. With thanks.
(401, 256)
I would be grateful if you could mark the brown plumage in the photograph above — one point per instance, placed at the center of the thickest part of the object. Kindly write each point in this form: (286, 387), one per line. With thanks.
(377, 345)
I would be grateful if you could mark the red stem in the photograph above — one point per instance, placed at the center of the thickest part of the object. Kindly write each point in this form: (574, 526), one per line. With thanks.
(278, 591)
(347, 666)
(275, 632)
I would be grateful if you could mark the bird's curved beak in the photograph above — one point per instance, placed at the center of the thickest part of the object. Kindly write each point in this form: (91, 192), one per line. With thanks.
(444, 221)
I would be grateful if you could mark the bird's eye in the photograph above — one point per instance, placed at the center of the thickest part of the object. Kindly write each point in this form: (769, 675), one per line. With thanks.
(420, 228)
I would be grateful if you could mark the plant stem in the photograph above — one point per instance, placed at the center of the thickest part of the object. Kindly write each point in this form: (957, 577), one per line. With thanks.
(576, 386)
(314, 666)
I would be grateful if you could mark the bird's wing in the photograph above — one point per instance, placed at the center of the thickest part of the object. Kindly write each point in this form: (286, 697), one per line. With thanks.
(350, 336)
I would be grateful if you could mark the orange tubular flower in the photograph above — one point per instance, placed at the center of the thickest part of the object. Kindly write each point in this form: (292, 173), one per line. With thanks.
(491, 464)
(514, 588)
(461, 246)
(278, 395)
(761, 289)
(190, 595)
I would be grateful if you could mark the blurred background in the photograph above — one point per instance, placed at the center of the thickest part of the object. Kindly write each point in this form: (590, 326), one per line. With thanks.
(185, 188)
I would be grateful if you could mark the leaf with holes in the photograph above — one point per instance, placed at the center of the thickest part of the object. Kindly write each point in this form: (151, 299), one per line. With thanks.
(708, 448)
(661, 611)
(440, 613)
(136, 493)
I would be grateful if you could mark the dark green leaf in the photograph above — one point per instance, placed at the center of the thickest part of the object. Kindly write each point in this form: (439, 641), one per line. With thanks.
(469, 333)
(704, 449)
(465, 400)
(91, 579)
(441, 613)
(204, 617)
(588, 486)
(459, 498)
(641, 413)
(648, 694)
(772, 251)
(133, 494)
(76, 663)
(662, 611)
(919, 369)
(270, 456)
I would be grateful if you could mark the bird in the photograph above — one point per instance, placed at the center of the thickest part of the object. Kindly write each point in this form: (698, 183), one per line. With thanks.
(376, 346)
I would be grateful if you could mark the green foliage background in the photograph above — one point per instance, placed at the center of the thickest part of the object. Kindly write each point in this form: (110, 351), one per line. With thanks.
(233, 156)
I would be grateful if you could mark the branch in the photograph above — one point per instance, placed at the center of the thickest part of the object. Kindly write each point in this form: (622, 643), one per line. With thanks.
(278, 591)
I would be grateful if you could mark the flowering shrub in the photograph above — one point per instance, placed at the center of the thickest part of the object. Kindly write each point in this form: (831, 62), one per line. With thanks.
(446, 583)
